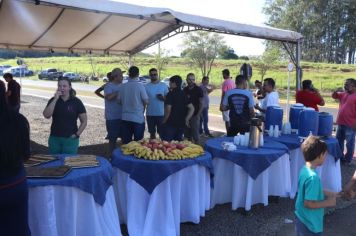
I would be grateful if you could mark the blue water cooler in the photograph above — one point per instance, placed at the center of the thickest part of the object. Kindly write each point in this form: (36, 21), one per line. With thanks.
(308, 122)
(294, 115)
(325, 124)
(274, 116)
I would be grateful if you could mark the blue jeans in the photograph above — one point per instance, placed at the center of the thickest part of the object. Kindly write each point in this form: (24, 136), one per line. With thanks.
(302, 230)
(170, 133)
(346, 133)
(154, 124)
(204, 119)
(129, 129)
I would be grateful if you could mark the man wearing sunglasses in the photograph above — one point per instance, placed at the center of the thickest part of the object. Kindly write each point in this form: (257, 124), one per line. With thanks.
(156, 91)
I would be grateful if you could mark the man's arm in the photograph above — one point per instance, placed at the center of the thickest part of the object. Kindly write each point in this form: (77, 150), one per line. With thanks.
(189, 114)
(329, 202)
(99, 90)
(167, 113)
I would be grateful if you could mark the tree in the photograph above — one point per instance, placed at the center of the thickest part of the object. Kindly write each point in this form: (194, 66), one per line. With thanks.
(227, 53)
(162, 60)
(265, 62)
(328, 27)
(202, 48)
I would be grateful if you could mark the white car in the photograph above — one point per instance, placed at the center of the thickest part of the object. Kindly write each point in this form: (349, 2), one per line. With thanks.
(72, 76)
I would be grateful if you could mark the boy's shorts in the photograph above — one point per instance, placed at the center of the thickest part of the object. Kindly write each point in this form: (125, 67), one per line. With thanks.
(302, 230)
(113, 127)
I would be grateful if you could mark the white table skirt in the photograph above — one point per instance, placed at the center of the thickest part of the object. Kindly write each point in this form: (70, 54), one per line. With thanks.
(233, 184)
(329, 172)
(69, 211)
(184, 196)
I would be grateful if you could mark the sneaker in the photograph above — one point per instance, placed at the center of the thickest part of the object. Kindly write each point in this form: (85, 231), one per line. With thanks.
(209, 135)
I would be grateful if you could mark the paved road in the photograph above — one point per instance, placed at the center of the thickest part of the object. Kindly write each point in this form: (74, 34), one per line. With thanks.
(215, 120)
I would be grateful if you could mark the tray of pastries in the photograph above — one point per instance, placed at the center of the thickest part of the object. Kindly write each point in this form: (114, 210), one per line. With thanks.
(81, 161)
(47, 172)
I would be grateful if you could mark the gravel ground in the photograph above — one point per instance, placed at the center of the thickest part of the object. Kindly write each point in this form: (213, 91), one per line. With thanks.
(221, 220)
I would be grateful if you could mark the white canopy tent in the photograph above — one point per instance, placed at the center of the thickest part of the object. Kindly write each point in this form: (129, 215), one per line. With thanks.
(110, 27)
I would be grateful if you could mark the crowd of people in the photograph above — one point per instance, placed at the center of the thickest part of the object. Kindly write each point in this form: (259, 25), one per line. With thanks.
(171, 113)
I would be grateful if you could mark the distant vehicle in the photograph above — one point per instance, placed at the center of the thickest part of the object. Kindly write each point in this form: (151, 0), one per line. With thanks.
(18, 71)
(72, 76)
(50, 73)
(3, 68)
(145, 79)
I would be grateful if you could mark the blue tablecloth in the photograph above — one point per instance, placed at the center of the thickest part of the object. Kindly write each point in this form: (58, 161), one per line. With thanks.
(93, 180)
(253, 161)
(292, 141)
(151, 173)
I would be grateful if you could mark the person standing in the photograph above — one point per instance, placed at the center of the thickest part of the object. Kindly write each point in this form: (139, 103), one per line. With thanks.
(134, 99)
(346, 118)
(311, 201)
(65, 109)
(156, 92)
(101, 88)
(309, 96)
(204, 118)
(14, 149)
(178, 111)
(240, 103)
(195, 94)
(226, 86)
(13, 92)
(271, 98)
(113, 110)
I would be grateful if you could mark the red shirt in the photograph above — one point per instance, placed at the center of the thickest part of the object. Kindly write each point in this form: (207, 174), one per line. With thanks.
(308, 99)
(347, 108)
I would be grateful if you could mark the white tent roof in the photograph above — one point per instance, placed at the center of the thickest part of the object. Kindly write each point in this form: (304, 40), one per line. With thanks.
(104, 26)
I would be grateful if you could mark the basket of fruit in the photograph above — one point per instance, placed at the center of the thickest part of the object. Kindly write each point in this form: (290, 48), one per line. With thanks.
(154, 149)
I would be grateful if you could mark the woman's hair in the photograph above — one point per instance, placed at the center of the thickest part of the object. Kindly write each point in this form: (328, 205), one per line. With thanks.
(14, 137)
(72, 92)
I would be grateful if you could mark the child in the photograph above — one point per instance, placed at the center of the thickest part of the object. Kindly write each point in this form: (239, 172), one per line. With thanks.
(310, 203)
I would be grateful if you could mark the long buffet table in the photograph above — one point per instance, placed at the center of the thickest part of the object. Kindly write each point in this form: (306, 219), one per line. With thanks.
(81, 203)
(154, 197)
(248, 176)
(329, 172)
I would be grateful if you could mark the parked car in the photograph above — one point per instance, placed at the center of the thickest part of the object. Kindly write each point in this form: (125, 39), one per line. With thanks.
(3, 68)
(72, 76)
(18, 71)
(50, 73)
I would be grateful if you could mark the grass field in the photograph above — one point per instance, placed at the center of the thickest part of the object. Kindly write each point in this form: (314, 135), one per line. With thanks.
(325, 77)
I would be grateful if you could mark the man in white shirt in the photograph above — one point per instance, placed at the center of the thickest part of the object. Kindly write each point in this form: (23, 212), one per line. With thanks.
(271, 99)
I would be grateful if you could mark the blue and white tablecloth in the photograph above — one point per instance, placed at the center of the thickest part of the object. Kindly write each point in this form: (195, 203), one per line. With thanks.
(253, 161)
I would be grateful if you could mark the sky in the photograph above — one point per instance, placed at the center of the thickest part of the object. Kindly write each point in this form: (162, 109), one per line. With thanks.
(243, 11)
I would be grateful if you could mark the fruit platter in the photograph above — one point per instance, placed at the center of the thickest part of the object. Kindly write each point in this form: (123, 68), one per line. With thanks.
(154, 149)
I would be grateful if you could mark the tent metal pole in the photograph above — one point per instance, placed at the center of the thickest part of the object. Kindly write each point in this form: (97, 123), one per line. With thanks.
(130, 60)
(298, 68)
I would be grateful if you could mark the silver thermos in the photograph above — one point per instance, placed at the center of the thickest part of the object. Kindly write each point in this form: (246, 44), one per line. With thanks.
(255, 133)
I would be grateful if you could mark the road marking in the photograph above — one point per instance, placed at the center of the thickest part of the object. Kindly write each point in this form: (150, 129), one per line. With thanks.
(46, 97)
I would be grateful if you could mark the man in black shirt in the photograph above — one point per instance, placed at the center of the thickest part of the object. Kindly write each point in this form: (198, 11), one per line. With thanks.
(195, 95)
(13, 92)
(177, 112)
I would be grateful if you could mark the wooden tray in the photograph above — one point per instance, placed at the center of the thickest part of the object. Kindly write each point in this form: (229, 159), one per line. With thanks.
(47, 172)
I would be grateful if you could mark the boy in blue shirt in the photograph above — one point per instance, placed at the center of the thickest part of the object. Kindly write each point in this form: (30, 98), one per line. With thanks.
(310, 203)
